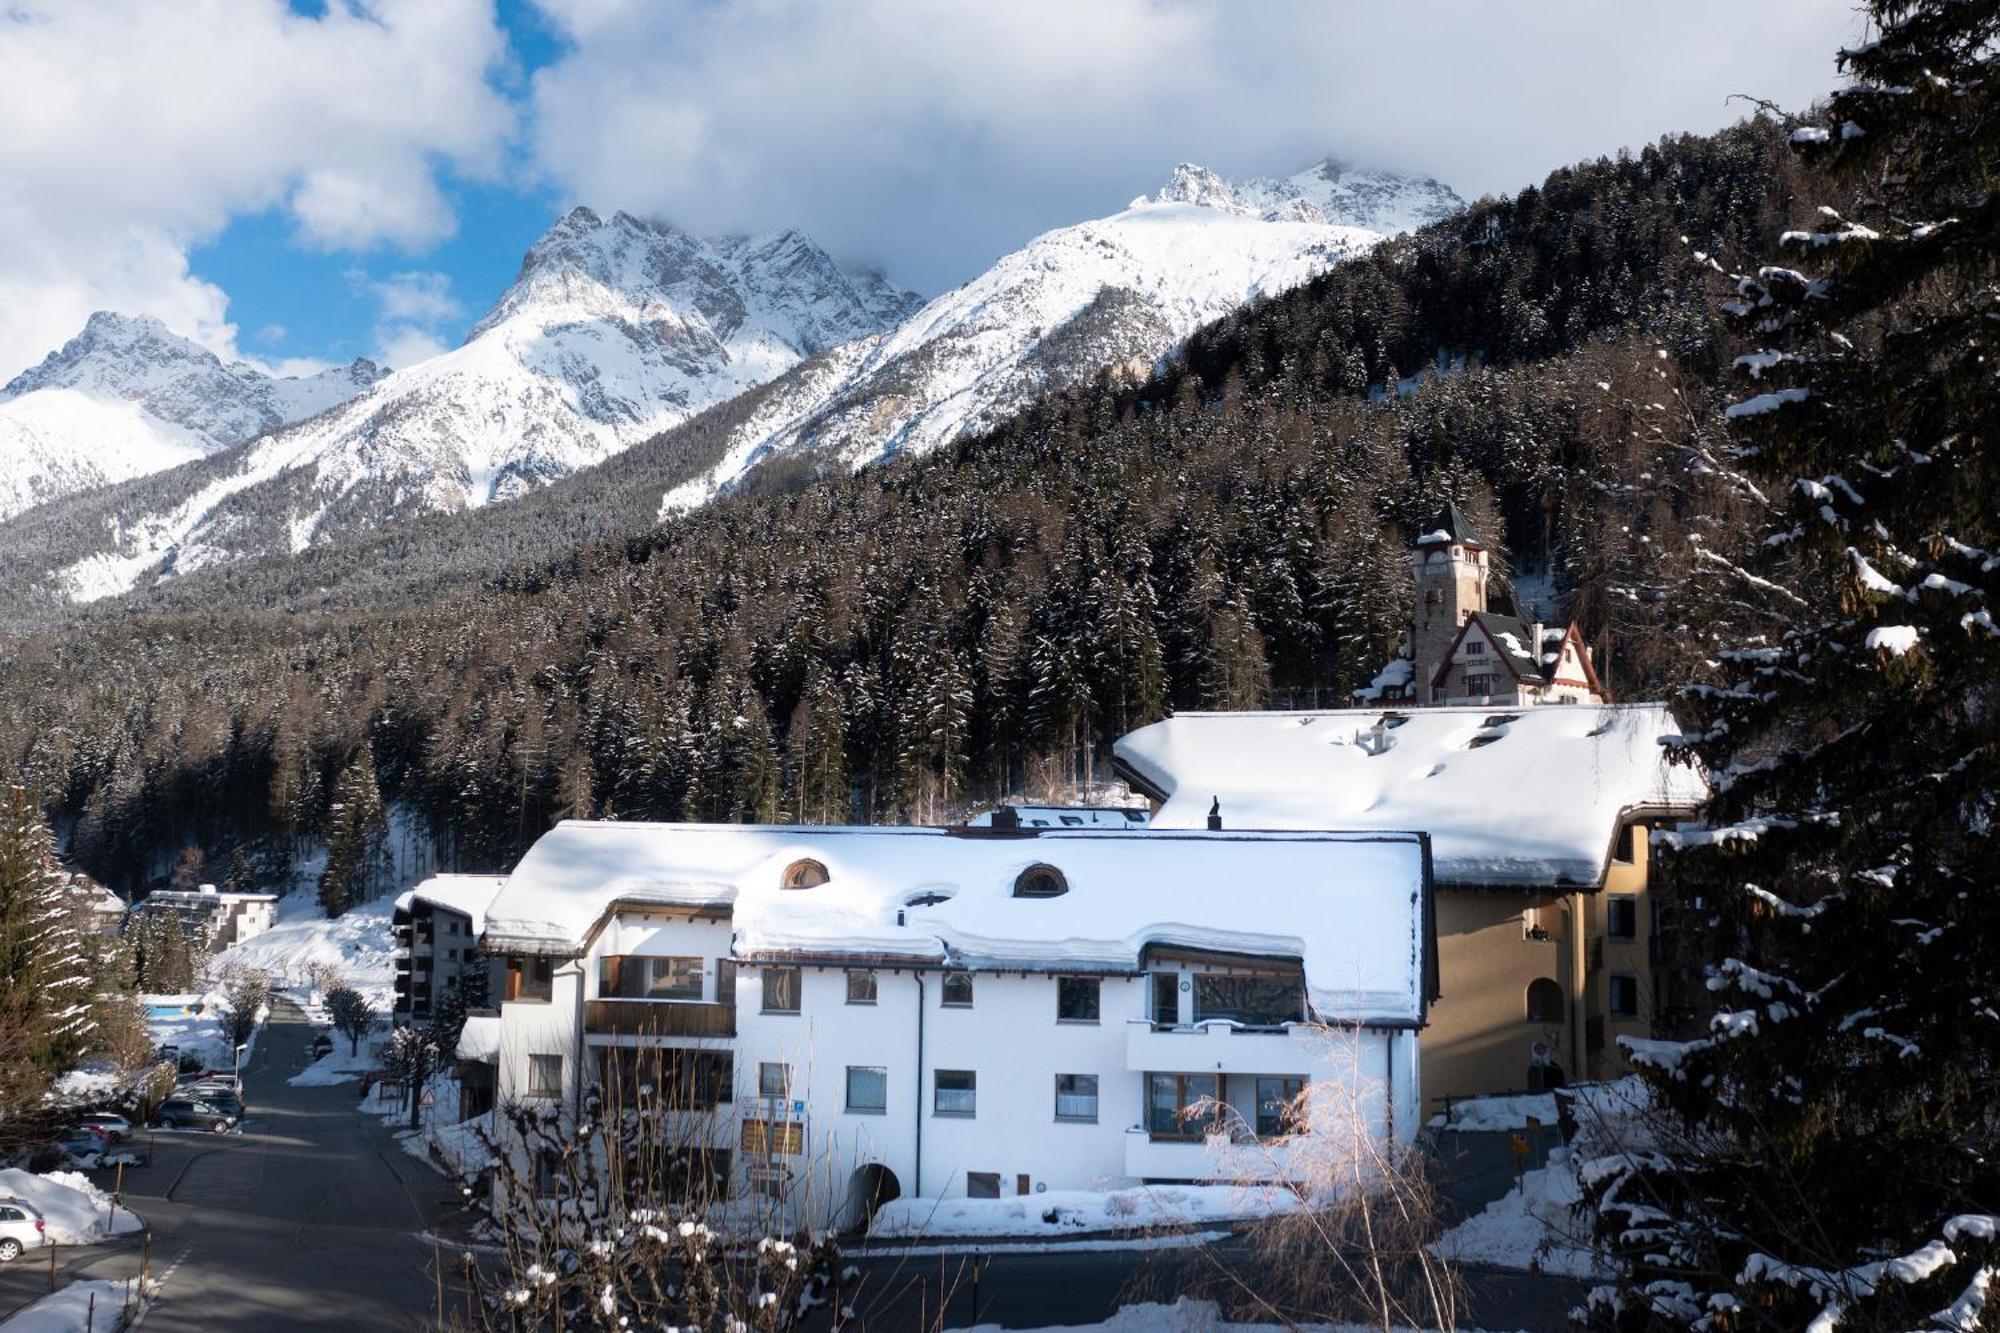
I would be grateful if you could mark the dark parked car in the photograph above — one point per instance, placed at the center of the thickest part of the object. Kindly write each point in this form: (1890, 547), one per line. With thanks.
(215, 1094)
(322, 1046)
(188, 1113)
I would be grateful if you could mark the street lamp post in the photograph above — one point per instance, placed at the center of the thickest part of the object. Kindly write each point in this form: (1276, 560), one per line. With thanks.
(239, 1066)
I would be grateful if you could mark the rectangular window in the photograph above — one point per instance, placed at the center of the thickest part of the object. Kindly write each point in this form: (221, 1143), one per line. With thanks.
(1627, 851)
(667, 1077)
(781, 990)
(1251, 1001)
(548, 1172)
(867, 1089)
(957, 990)
(1180, 1106)
(1624, 995)
(774, 1080)
(1475, 648)
(1076, 1097)
(982, 1184)
(1621, 916)
(956, 1092)
(545, 1075)
(1077, 999)
(1479, 687)
(725, 981)
(860, 987)
(636, 978)
(1277, 1104)
(530, 980)
(1166, 999)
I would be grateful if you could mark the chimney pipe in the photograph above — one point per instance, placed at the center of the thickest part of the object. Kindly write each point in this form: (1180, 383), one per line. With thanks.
(1215, 814)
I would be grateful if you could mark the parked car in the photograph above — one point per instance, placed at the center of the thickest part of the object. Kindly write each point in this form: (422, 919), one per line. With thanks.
(216, 1094)
(114, 1127)
(21, 1228)
(322, 1046)
(188, 1113)
(85, 1147)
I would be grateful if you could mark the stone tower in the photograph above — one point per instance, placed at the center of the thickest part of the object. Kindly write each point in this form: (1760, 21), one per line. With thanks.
(1450, 566)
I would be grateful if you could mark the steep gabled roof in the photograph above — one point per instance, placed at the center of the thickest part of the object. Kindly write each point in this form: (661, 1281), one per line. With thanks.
(1451, 526)
(1510, 635)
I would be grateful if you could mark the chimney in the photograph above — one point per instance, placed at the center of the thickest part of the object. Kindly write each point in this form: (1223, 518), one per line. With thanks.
(1215, 814)
(1007, 818)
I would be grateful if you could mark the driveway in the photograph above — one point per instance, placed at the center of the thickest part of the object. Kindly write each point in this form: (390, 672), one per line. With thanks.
(311, 1218)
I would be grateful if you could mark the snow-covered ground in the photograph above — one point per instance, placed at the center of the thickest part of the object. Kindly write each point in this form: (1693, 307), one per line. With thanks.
(1488, 1114)
(1056, 1213)
(191, 1022)
(1536, 1227)
(358, 943)
(76, 1211)
(338, 1065)
(95, 1306)
(1189, 1316)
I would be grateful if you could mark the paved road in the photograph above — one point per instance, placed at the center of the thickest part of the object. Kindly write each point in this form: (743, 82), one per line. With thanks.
(309, 1219)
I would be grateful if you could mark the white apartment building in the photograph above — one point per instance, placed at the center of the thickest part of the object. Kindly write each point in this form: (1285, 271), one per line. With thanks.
(875, 1012)
(436, 927)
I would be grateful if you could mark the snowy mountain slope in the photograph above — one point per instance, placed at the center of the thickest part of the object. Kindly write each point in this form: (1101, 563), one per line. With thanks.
(1327, 191)
(615, 330)
(1118, 292)
(127, 397)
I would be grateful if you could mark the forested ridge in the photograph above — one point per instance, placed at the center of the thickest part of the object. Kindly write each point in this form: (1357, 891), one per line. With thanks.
(902, 642)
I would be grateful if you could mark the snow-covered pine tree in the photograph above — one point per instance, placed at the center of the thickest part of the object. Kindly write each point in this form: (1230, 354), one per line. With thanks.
(1833, 1154)
(357, 840)
(49, 973)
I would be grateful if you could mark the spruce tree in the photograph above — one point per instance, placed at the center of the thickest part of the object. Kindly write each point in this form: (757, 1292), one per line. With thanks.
(357, 848)
(1832, 1153)
(49, 970)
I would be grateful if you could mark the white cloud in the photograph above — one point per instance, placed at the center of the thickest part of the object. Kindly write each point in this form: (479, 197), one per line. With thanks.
(931, 136)
(412, 305)
(131, 130)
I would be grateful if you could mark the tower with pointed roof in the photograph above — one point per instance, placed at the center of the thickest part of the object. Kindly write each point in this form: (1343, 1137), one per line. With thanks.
(1450, 564)
(1460, 652)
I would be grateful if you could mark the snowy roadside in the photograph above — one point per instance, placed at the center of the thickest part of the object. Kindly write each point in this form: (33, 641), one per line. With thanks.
(80, 1307)
(1189, 1316)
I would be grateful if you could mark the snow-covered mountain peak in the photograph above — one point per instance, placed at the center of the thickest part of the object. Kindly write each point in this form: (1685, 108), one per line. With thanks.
(1328, 191)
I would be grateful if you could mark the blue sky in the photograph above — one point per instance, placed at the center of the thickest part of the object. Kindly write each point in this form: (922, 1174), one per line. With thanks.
(304, 181)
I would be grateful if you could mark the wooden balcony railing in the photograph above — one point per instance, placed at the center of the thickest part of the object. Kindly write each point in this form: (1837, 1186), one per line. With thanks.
(659, 1018)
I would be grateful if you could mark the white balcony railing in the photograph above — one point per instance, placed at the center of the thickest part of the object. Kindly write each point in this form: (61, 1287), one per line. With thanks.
(1222, 1047)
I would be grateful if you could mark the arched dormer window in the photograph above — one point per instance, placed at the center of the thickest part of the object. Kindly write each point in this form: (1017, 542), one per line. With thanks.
(1040, 881)
(804, 874)
(1545, 1001)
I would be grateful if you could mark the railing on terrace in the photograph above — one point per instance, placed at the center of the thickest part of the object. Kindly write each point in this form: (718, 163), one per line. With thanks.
(659, 1018)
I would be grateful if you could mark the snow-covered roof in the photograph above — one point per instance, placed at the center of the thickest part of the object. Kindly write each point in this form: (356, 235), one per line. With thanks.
(468, 895)
(1068, 816)
(1510, 796)
(479, 1039)
(938, 897)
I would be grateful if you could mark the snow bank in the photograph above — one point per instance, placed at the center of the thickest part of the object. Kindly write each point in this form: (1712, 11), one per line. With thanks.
(1188, 1316)
(1537, 1227)
(1488, 1114)
(76, 1211)
(337, 1066)
(93, 1305)
(1350, 907)
(1510, 796)
(1079, 1212)
(358, 943)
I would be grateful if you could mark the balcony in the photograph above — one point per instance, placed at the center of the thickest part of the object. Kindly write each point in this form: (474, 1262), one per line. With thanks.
(1222, 1047)
(1216, 1158)
(659, 1018)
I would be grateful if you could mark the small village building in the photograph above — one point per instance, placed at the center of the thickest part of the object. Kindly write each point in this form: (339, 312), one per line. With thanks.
(206, 913)
(1550, 941)
(1461, 652)
(105, 909)
(436, 927)
(863, 1013)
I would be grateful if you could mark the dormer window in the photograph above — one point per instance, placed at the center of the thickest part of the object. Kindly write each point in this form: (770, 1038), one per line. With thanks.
(1040, 881)
(804, 874)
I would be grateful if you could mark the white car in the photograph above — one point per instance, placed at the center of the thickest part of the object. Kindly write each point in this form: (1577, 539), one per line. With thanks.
(113, 1126)
(21, 1228)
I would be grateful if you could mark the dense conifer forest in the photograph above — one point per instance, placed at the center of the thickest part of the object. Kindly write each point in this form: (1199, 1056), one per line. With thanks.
(904, 642)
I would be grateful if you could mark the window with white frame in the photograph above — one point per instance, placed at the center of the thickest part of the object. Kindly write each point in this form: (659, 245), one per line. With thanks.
(1077, 999)
(957, 990)
(781, 990)
(774, 1080)
(860, 986)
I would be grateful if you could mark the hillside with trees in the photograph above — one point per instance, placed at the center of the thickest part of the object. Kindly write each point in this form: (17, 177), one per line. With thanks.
(901, 643)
